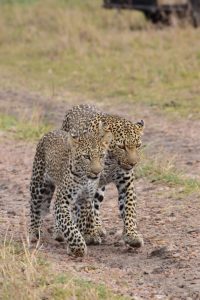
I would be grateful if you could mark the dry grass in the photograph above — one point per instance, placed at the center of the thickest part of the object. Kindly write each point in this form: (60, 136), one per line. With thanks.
(109, 55)
(26, 275)
(27, 127)
(162, 169)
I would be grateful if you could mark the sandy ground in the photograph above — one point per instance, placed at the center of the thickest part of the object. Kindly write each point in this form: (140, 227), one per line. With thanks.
(168, 266)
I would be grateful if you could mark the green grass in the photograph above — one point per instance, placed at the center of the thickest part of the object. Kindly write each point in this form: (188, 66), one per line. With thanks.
(24, 129)
(163, 171)
(26, 275)
(110, 56)
(17, 1)
(7, 122)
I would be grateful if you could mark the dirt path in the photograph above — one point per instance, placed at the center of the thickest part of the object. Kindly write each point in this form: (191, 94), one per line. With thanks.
(168, 266)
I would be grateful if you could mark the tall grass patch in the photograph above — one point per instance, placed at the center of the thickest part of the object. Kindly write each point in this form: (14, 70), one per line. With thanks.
(107, 54)
(162, 169)
(25, 128)
(25, 274)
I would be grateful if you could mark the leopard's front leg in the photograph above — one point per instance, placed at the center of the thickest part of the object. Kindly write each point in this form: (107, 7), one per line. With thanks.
(65, 223)
(85, 217)
(98, 199)
(127, 206)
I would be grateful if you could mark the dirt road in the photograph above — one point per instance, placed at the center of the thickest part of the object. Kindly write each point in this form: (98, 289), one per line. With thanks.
(168, 266)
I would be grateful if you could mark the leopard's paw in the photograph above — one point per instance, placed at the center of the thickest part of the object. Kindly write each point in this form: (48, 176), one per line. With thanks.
(101, 231)
(34, 235)
(92, 239)
(77, 250)
(58, 236)
(135, 241)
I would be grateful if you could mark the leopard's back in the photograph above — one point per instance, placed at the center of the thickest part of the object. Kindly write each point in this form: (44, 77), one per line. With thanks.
(81, 119)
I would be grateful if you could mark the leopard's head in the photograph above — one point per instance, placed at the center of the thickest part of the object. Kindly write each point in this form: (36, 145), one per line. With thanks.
(125, 146)
(89, 151)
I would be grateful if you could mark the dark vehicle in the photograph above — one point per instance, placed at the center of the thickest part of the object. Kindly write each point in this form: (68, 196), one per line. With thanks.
(161, 11)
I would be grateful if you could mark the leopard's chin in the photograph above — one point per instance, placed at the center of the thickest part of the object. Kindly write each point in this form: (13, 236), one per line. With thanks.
(126, 167)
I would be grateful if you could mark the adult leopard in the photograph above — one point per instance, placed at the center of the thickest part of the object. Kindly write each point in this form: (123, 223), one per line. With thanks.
(123, 155)
(72, 165)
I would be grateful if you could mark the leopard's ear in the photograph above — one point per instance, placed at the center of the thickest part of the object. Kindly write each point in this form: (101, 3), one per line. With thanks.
(72, 140)
(105, 135)
(140, 126)
(107, 138)
(103, 128)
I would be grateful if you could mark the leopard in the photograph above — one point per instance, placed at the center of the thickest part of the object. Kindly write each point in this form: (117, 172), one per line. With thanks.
(124, 153)
(70, 165)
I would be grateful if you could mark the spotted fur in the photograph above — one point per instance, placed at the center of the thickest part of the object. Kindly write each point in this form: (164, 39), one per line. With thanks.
(123, 155)
(72, 166)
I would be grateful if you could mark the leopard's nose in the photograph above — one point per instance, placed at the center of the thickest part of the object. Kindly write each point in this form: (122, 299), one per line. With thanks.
(96, 171)
(96, 168)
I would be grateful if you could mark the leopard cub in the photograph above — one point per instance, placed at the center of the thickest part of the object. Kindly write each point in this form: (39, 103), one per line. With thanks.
(71, 165)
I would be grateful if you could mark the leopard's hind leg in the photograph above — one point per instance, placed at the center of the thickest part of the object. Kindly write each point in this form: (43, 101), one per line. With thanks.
(41, 190)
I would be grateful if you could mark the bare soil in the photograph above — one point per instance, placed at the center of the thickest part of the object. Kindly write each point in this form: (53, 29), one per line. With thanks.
(168, 266)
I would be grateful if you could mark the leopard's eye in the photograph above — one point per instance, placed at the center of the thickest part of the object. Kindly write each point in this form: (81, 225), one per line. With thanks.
(86, 156)
(138, 146)
(121, 147)
(102, 155)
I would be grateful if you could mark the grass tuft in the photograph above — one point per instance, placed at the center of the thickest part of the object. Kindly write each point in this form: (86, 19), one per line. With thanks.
(24, 129)
(24, 275)
(163, 170)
